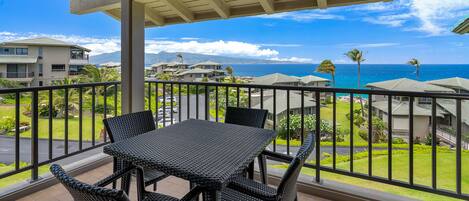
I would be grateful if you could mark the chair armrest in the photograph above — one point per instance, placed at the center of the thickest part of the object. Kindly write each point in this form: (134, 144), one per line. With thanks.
(277, 156)
(193, 194)
(108, 180)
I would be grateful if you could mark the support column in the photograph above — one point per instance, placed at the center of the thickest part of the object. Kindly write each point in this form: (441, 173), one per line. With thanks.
(132, 56)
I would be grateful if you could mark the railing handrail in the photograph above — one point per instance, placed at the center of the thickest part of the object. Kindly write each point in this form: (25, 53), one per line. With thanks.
(54, 87)
(323, 89)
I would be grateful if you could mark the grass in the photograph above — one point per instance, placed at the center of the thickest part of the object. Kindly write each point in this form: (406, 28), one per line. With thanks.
(446, 171)
(23, 176)
(58, 125)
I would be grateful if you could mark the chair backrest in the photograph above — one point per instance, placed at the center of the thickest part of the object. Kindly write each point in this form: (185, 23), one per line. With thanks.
(129, 125)
(246, 117)
(287, 188)
(83, 191)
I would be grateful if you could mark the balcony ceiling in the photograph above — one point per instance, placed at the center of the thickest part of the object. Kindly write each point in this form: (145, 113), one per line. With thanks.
(166, 12)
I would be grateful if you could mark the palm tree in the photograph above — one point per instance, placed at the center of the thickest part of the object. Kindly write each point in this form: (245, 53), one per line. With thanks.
(180, 57)
(230, 72)
(356, 56)
(328, 67)
(416, 63)
(92, 74)
(59, 98)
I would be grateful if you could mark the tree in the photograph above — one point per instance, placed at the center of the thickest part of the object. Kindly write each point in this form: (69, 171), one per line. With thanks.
(8, 84)
(92, 74)
(59, 98)
(416, 63)
(357, 56)
(230, 72)
(180, 57)
(328, 67)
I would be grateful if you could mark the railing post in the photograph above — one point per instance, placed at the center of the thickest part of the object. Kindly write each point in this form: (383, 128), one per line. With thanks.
(34, 136)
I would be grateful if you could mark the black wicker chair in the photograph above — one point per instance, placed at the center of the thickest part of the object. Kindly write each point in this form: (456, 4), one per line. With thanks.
(253, 118)
(245, 189)
(127, 126)
(97, 192)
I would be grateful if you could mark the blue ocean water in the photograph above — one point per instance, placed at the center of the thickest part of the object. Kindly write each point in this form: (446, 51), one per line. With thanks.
(346, 74)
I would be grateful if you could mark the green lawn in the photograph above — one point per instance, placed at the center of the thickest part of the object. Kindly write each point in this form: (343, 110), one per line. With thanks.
(446, 172)
(58, 125)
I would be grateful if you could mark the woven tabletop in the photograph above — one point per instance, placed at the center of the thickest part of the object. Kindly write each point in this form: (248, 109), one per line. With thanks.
(203, 152)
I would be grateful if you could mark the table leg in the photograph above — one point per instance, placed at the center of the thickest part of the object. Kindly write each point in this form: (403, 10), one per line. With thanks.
(212, 196)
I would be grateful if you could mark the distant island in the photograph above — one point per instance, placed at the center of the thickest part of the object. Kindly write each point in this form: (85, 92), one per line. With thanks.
(189, 58)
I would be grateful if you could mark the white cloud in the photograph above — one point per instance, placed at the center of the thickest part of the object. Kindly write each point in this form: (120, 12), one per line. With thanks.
(434, 15)
(397, 20)
(189, 38)
(368, 45)
(220, 47)
(303, 16)
(294, 59)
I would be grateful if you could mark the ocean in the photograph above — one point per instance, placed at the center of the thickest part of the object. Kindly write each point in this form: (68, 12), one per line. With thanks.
(346, 74)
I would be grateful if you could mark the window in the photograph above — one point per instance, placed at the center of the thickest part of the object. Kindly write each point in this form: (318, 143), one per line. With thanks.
(16, 71)
(39, 52)
(77, 54)
(58, 67)
(425, 100)
(21, 51)
(7, 51)
(41, 67)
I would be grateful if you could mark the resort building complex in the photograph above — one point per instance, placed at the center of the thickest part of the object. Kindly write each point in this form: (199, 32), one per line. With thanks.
(40, 61)
(422, 107)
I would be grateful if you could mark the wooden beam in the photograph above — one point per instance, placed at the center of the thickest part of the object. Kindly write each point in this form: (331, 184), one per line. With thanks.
(268, 6)
(220, 7)
(90, 6)
(152, 15)
(322, 4)
(114, 14)
(180, 9)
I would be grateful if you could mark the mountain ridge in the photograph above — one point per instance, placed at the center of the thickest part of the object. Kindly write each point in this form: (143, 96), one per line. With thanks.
(189, 58)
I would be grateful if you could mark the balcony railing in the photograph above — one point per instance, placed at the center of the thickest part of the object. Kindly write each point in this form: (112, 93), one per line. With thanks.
(43, 110)
(207, 101)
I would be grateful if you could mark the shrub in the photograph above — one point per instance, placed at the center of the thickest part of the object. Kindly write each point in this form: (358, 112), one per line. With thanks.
(398, 141)
(44, 111)
(309, 126)
(363, 134)
(7, 124)
(100, 108)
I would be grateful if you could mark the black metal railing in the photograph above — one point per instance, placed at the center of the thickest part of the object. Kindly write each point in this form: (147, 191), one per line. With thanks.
(212, 109)
(43, 110)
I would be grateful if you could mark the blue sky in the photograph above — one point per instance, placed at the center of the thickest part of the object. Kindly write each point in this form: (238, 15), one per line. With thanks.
(387, 32)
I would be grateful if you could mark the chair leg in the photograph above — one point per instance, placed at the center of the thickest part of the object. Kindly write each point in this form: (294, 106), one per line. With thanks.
(191, 186)
(251, 170)
(263, 169)
(114, 169)
(154, 186)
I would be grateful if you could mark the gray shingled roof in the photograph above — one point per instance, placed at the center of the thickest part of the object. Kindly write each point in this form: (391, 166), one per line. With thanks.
(43, 41)
(462, 28)
(405, 84)
(311, 78)
(401, 108)
(281, 101)
(454, 83)
(450, 106)
(276, 78)
(196, 71)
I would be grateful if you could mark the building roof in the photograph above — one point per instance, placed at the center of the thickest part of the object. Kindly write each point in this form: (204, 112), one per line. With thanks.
(311, 78)
(195, 71)
(17, 60)
(462, 28)
(275, 78)
(43, 41)
(281, 101)
(453, 83)
(165, 12)
(206, 63)
(450, 106)
(401, 108)
(405, 84)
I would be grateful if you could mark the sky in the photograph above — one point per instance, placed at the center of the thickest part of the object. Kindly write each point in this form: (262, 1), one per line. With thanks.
(388, 33)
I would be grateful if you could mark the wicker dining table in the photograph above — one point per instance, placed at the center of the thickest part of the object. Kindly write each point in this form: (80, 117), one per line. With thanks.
(206, 153)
